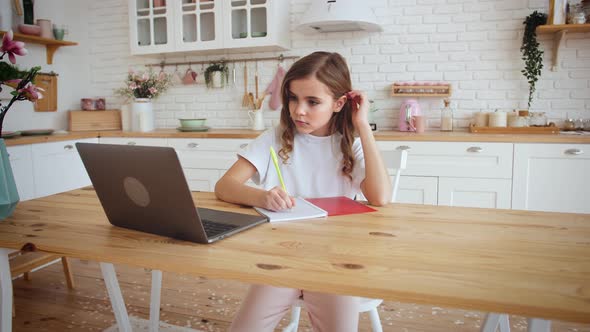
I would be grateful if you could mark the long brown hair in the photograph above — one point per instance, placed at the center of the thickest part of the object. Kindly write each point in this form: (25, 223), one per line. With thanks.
(330, 69)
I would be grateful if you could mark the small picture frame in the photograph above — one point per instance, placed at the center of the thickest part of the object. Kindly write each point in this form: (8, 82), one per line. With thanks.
(557, 12)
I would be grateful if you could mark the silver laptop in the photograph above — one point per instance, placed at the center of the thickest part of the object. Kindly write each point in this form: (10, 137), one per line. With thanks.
(144, 188)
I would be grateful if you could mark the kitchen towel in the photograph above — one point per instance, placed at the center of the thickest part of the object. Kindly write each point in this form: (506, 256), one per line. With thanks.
(274, 89)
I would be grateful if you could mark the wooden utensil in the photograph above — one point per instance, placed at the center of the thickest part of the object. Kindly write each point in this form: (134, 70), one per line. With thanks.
(256, 80)
(18, 7)
(246, 97)
(260, 100)
(251, 102)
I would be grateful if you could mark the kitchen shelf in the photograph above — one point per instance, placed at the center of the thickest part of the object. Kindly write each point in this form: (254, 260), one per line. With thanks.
(444, 90)
(560, 31)
(51, 45)
(551, 129)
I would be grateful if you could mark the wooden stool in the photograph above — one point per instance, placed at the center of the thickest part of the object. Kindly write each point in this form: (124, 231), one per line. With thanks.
(23, 262)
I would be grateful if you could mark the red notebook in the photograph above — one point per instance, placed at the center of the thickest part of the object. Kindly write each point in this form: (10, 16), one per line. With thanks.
(337, 206)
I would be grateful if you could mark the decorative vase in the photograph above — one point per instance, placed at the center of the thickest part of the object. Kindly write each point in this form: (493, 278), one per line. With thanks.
(142, 115)
(8, 194)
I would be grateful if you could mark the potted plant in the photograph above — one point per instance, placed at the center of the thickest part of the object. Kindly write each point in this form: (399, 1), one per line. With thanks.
(531, 53)
(216, 75)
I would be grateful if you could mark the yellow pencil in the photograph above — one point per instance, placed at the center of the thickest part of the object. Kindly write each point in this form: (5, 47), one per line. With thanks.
(275, 161)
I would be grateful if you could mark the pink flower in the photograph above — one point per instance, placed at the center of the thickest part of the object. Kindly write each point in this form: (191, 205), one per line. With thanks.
(31, 92)
(152, 90)
(12, 47)
(133, 86)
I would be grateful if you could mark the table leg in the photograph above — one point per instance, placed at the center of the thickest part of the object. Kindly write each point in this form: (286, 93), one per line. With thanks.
(117, 302)
(538, 325)
(5, 291)
(493, 321)
(155, 300)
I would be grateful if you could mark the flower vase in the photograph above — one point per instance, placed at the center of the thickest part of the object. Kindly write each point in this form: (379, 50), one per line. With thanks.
(8, 193)
(142, 115)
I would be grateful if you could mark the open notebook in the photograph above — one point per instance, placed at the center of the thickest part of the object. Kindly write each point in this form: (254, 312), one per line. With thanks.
(302, 210)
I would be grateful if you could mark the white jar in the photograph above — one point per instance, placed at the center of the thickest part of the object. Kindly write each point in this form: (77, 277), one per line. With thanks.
(498, 119)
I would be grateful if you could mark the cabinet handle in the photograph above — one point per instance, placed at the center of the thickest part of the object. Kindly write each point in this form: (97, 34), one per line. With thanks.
(68, 147)
(131, 143)
(403, 148)
(475, 149)
(574, 152)
(193, 145)
(242, 146)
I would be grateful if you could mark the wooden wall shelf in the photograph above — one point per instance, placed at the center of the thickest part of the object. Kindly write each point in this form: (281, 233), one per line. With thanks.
(559, 27)
(421, 90)
(51, 45)
(560, 30)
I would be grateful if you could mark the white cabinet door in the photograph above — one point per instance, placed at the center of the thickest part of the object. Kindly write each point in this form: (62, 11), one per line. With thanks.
(151, 26)
(484, 193)
(21, 161)
(204, 161)
(552, 177)
(455, 159)
(198, 25)
(201, 179)
(143, 141)
(263, 24)
(418, 190)
(57, 167)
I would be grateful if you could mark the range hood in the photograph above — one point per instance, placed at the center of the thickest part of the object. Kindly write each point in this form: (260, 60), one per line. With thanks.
(337, 16)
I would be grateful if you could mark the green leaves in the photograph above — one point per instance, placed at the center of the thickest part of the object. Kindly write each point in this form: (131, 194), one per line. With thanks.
(11, 72)
(532, 55)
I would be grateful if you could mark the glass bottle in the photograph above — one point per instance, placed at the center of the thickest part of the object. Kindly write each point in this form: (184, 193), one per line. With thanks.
(446, 117)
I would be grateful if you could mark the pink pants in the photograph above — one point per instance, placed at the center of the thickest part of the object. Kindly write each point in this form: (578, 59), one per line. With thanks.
(264, 307)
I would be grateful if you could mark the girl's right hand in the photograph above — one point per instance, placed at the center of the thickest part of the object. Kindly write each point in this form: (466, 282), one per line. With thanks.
(276, 200)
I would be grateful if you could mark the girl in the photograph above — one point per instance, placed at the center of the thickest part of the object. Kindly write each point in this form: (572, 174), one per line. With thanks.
(319, 157)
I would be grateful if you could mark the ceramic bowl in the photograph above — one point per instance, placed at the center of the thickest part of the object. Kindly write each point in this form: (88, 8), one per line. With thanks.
(188, 123)
(29, 29)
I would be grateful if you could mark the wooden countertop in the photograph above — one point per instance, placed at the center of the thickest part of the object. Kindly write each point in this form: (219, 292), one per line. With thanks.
(429, 136)
(528, 263)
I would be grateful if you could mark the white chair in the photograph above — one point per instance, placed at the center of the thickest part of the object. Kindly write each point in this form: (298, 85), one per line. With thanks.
(393, 159)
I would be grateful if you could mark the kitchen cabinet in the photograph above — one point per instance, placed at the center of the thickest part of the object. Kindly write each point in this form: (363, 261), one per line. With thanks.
(21, 161)
(143, 141)
(455, 173)
(418, 190)
(204, 161)
(57, 167)
(485, 193)
(151, 26)
(551, 177)
(160, 26)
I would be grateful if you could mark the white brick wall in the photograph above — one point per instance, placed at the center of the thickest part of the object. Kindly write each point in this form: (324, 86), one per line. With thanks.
(472, 44)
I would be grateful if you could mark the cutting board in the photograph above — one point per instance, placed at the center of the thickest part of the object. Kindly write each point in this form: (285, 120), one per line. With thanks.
(94, 120)
(48, 82)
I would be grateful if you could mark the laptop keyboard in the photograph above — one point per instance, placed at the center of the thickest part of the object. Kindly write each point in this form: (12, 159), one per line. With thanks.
(213, 228)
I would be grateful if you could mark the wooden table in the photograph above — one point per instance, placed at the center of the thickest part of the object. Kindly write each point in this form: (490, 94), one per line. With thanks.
(528, 263)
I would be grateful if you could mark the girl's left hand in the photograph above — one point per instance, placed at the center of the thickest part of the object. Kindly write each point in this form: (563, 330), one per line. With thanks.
(360, 108)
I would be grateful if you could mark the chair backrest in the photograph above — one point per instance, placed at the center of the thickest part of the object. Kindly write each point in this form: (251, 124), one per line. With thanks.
(396, 160)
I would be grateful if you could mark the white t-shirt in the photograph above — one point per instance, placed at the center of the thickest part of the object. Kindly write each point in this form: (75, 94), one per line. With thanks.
(314, 167)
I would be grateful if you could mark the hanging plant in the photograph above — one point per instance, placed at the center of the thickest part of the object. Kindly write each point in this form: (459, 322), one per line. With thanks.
(223, 70)
(531, 53)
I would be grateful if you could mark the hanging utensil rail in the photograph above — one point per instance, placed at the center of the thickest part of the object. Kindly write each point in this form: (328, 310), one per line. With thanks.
(280, 58)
